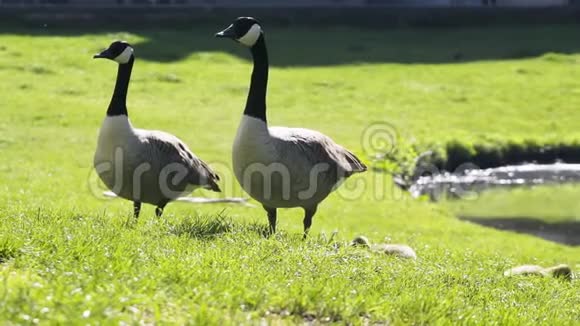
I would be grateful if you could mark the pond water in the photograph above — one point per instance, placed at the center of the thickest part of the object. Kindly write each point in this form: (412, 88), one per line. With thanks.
(470, 181)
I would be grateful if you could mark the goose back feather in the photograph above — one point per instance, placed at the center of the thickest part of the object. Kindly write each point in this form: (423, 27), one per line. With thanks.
(303, 165)
(165, 167)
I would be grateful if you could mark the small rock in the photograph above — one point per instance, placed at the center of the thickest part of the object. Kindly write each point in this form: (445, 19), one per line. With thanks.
(399, 250)
(361, 241)
(169, 78)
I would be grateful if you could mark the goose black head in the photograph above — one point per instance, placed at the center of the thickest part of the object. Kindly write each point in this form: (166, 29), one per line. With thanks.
(119, 51)
(245, 30)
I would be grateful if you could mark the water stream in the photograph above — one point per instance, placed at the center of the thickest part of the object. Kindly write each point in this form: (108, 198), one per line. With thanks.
(470, 181)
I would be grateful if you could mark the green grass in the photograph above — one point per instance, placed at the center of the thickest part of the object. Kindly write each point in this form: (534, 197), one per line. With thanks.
(67, 255)
(548, 203)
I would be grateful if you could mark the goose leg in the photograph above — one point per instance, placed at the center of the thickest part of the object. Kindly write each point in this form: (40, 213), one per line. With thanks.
(159, 209)
(271, 218)
(136, 209)
(308, 214)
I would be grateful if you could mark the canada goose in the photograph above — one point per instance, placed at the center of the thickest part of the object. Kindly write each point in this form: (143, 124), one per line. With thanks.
(278, 166)
(144, 166)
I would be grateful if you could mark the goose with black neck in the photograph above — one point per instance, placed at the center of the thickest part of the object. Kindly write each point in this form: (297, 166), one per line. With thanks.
(281, 167)
(144, 166)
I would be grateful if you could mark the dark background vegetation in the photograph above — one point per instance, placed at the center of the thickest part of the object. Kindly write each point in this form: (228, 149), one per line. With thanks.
(382, 17)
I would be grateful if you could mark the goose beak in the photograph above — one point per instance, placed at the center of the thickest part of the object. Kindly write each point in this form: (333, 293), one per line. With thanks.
(103, 55)
(227, 33)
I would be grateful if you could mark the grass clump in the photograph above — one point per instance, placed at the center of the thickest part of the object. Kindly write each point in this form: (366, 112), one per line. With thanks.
(9, 248)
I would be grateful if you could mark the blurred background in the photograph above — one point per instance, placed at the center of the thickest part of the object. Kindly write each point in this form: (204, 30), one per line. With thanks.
(288, 3)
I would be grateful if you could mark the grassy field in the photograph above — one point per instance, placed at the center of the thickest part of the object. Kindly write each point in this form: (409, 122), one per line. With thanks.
(540, 202)
(69, 255)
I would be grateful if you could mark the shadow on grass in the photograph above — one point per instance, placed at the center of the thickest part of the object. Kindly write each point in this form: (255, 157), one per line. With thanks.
(6, 255)
(209, 227)
(8, 251)
(567, 232)
(327, 46)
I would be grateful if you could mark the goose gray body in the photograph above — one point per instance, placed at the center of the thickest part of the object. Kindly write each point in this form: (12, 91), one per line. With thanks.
(289, 167)
(141, 165)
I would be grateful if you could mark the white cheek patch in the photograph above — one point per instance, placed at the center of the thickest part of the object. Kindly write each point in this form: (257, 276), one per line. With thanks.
(125, 56)
(251, 36)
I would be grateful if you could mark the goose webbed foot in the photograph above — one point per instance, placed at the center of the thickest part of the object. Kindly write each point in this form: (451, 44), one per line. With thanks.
(159, 209)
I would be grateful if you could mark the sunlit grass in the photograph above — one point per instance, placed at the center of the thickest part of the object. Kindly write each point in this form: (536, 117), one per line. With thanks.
(68, 256)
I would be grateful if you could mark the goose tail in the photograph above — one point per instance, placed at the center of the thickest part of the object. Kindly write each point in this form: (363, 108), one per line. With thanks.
(213, 186)
(355, 164)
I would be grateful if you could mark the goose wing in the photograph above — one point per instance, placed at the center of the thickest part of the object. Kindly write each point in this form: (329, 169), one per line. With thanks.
(316, 148)
(169, 149)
